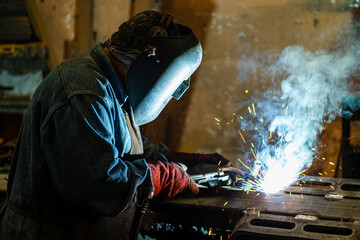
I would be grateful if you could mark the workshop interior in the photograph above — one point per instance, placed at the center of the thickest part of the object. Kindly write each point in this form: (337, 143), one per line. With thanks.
(277, 93)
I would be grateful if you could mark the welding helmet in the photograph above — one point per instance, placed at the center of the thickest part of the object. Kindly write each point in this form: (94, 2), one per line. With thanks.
(162, 70)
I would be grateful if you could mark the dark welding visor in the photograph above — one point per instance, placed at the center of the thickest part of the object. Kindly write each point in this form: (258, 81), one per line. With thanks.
(159, 72)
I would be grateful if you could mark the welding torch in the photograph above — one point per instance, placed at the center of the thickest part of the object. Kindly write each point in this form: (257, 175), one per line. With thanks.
(211, 175)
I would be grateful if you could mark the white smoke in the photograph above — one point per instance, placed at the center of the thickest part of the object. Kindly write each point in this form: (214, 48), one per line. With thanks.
(313, 87)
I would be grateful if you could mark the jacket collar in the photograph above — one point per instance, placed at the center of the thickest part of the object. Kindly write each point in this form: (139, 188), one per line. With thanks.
(110, 71)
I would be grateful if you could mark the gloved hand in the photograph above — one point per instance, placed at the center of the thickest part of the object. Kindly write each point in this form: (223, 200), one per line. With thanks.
(192, 159)
(170, 179)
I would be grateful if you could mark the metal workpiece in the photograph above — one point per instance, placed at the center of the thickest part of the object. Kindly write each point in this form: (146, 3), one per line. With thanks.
(348, 188)
(330, 205)
(270, 226)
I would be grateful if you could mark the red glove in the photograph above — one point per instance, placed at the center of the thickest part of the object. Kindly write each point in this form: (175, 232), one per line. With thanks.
(170, 179)
(192, 159)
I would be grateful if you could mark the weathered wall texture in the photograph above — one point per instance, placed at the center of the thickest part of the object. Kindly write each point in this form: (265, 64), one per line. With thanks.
(58, 18)
(59, 21)
(235, 34)
(108, 15)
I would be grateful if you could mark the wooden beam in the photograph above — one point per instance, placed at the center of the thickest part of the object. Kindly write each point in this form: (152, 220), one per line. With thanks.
(84, 25)
(40, 31)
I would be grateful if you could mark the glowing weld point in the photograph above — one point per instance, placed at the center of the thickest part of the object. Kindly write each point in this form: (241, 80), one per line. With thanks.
(246, 91)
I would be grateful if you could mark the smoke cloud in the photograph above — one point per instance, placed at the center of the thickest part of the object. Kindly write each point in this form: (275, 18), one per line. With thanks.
(313, 86)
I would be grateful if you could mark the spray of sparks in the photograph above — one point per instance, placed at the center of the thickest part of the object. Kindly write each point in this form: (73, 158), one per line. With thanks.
(286, 123)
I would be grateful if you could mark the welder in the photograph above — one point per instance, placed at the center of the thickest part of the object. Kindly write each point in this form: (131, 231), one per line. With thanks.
(81, 166)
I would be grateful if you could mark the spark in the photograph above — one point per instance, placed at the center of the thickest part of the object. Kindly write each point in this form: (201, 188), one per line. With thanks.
(254, 154)
(254, 109)
(286, 110)
(249, 110)
(241, 136)
(218, 120)
(331, 163)
(241, 117)
(246, 91)
(225, 203)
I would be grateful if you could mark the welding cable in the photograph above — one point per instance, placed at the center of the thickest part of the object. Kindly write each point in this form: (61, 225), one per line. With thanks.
(139, 215)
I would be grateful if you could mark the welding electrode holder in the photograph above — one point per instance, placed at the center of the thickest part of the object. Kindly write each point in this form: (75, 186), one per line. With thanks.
(213, 176)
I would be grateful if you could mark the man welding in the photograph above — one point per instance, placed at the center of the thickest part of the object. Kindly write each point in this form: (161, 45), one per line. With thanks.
(81, 164)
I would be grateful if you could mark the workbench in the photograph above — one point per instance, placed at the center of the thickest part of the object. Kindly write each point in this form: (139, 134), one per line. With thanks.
(312, 208)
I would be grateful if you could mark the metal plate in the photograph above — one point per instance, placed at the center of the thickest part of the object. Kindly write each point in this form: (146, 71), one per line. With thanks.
(270, 226)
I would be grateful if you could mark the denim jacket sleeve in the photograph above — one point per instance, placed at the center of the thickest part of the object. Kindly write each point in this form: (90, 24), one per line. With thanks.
(86, 160)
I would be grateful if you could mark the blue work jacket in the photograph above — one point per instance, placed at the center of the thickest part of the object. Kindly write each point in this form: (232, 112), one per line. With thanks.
(70, 165)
